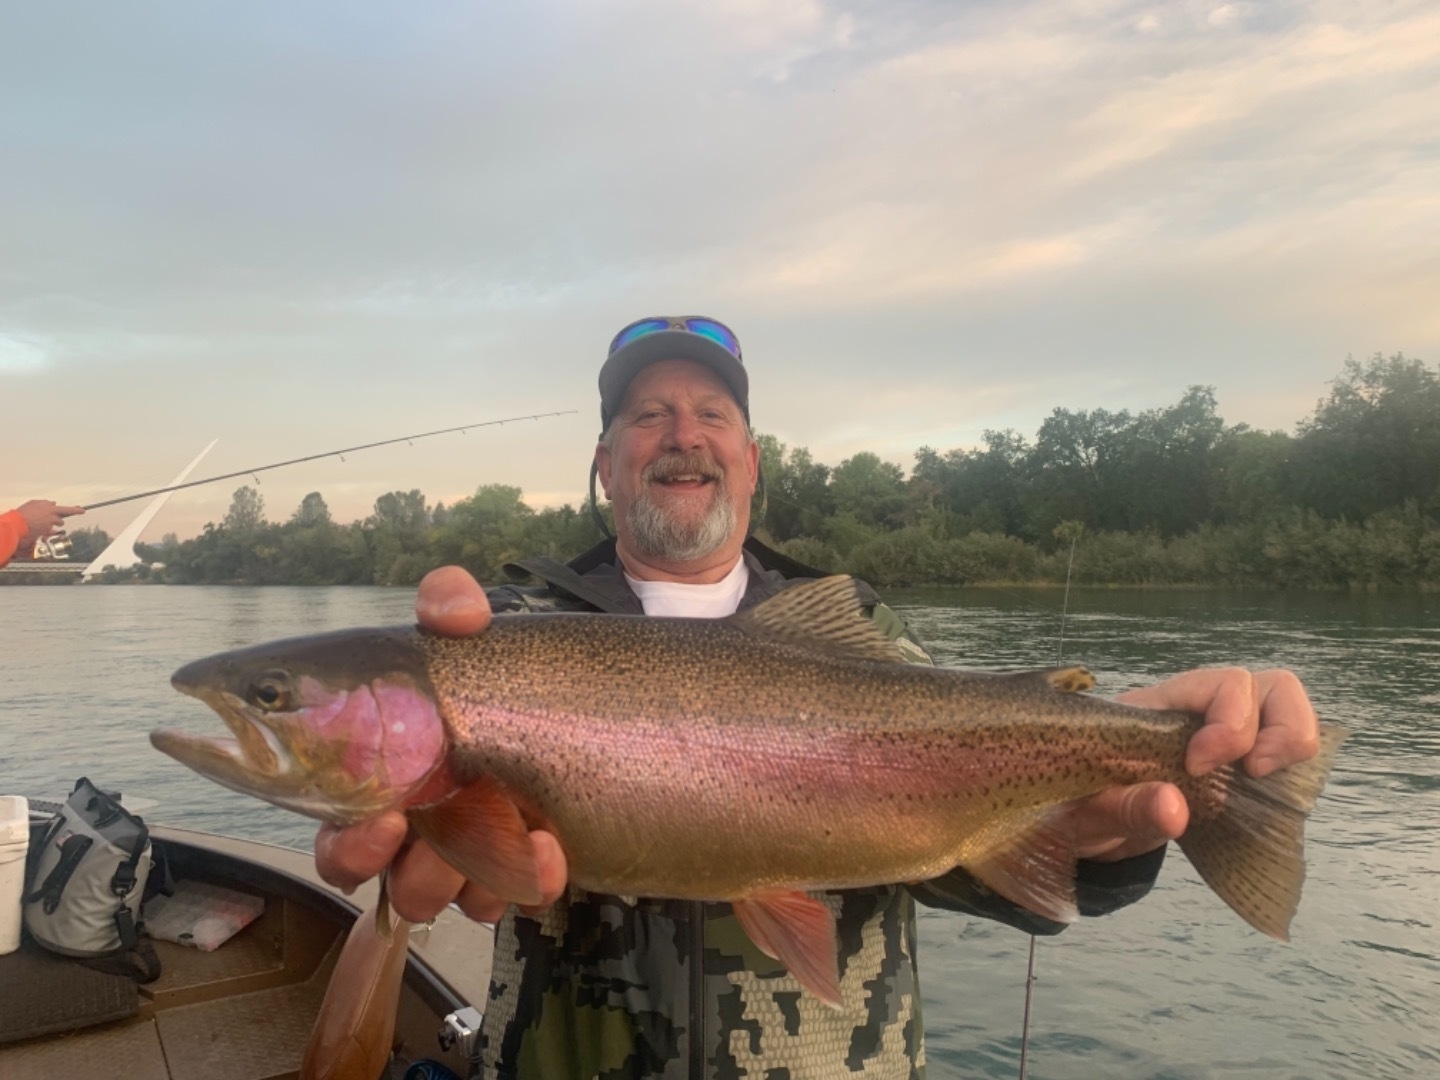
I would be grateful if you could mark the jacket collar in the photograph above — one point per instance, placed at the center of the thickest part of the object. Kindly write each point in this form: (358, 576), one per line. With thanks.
(594, 577)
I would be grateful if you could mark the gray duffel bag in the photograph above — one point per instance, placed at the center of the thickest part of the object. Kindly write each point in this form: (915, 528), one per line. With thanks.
(86, 882)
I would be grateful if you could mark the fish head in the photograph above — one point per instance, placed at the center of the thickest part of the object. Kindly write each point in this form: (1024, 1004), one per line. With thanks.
(339, 726)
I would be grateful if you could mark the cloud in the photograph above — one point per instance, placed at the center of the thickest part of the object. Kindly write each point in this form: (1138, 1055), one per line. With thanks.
(19, 355)
(298, 227)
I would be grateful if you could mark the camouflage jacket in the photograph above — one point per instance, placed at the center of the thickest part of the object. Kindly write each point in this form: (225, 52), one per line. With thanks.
(603, 987)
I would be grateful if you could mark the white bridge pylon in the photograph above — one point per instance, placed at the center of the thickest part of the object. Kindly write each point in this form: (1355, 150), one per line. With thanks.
(121, 552)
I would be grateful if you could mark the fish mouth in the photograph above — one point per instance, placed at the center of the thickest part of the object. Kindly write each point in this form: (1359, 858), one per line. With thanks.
(255, 749)
(256, 761)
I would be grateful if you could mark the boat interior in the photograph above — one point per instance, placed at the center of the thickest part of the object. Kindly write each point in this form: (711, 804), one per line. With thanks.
(245, 1010)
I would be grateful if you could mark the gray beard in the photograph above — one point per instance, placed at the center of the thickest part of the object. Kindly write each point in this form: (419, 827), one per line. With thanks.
(657, 535)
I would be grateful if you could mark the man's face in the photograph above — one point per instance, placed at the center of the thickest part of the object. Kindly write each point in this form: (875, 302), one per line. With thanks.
(679, 468)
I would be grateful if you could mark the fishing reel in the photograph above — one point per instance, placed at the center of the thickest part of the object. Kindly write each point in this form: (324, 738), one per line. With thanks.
(55, 547)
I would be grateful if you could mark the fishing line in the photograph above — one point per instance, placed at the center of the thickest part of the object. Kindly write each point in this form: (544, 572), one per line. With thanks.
(316, 457)
(1030, 970)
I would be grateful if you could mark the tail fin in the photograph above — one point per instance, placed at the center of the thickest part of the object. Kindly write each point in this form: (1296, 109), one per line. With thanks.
(1247, 837)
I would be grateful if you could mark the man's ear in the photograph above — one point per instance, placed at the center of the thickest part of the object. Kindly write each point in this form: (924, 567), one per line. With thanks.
(602, 466)
(753, 465)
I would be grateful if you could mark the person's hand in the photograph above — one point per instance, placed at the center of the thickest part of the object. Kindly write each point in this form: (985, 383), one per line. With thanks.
(421, 884)
(1263, 720)
(42, 517)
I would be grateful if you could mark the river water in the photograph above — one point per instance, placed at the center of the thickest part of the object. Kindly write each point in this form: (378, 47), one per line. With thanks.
(1174, 987)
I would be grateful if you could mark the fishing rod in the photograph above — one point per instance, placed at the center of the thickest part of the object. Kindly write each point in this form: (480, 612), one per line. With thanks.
(1030, 976)
(328, 453)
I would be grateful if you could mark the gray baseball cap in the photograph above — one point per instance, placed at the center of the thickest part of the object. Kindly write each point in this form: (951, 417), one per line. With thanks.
(648, 341)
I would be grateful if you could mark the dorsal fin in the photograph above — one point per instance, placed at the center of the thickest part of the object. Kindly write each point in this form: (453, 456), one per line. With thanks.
(824, 615)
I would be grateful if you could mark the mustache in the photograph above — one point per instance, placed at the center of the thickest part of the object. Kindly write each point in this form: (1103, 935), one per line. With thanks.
(682, 463)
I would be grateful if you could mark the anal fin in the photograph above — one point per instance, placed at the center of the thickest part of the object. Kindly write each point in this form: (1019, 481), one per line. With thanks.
(480, 832)
(1035, 867)
(799, 931)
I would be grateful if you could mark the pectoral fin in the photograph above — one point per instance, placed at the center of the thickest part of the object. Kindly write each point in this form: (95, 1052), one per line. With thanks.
(799, 931)
(480, 832)
(355, 1027)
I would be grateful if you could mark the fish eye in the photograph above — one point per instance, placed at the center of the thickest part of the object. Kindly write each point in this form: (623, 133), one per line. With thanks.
(271, 691)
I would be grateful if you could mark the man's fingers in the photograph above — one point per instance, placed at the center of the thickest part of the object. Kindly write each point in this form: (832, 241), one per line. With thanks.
(347, 857)
(554, 870)
(42, 516)
(1289, 728)
(1228, 698)
(451, 602)
(421, 883)
(1264, 718)
(480, 904)
(1122, 822)
(484, 906)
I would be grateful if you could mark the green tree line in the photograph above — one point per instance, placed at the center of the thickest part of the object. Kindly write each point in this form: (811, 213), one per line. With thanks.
(1171, 496)
(403, 539)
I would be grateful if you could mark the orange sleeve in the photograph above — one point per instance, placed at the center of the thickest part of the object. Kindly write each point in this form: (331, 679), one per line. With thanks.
(12, 530)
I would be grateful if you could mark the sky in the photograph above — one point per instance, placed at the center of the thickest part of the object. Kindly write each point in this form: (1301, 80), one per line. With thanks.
(300, 227)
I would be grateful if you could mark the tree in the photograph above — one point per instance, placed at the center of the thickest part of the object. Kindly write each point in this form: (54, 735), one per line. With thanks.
(404, 512)
(870, 489)
(87, 544)
(973, 490)
(1074, 471)
(312, 511)
(1374, 442)
(1164, 469)
(1118, 472)
(1249, 475)
(797, 490)
(247, 511)
(484, 531)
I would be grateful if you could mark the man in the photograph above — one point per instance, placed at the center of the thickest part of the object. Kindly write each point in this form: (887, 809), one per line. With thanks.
(617, 987)
(29, 522)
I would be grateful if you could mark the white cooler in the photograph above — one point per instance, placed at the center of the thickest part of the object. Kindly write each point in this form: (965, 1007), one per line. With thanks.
(14, 841)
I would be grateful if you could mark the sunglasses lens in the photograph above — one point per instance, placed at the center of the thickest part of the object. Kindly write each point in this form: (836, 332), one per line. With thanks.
(638, 330)
(716, 332)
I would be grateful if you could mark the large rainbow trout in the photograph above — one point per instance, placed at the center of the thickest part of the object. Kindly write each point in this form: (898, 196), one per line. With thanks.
(753, 759)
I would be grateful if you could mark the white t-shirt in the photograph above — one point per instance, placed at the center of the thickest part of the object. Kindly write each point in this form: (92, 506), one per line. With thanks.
(693, 601)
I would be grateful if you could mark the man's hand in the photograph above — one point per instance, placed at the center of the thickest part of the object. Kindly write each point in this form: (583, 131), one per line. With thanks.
(421, 884)
(42, 517)
(1262, 720)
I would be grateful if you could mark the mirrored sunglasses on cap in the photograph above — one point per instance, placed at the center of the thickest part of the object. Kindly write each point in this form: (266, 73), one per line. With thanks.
(716, 331)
